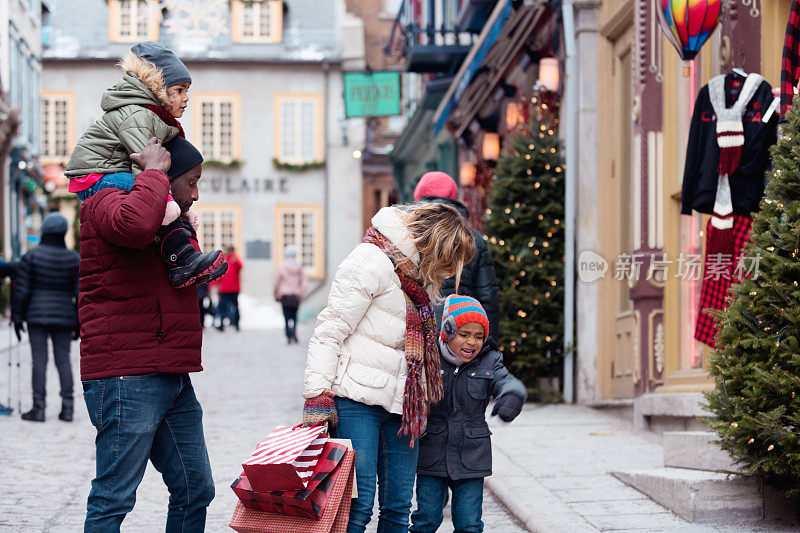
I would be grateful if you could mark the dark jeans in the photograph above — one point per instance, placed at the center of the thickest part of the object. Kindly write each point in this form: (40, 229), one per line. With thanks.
(228, 307)
(290, 303)
(61, 338)
(156, 417)
(466, 509)
(380, 454)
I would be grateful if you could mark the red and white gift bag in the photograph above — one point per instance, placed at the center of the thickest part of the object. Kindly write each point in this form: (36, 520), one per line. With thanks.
(286, 459)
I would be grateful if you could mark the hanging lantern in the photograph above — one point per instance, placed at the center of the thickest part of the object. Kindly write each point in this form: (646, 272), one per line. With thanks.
(688, 23)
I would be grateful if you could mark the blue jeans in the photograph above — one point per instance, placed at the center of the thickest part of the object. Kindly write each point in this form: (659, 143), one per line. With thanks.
(118, 180)
(380, 454)
(150, 416)
(466, 509)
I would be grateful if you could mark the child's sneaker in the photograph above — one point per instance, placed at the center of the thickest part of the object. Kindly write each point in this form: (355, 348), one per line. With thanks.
(185, 265)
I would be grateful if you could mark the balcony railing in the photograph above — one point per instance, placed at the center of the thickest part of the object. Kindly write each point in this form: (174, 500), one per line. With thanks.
(426, 33)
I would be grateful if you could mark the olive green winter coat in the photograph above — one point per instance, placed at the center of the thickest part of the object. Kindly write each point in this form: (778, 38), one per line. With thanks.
(124, 128)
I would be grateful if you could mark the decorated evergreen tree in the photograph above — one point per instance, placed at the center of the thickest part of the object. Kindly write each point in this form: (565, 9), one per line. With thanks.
(524, 226)
(756, 402)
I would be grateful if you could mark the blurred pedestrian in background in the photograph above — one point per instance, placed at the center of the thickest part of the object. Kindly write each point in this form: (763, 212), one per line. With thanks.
(6, 270)
(291, 284)
(228, 287)
(478, 279)
(205, 303)
(45, 296)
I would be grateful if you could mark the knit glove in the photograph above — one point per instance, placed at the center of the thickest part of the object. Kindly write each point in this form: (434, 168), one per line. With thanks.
(508, 406)
(319, 409)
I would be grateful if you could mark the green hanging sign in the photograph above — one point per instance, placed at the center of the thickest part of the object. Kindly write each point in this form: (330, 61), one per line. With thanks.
(375, 94)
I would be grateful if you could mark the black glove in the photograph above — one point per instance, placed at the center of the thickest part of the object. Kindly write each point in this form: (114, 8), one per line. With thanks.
(19, 327)
(76, 334)
(508, 406)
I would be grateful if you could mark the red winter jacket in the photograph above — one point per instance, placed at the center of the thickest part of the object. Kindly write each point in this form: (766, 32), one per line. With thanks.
(132, 320)
(229, 282)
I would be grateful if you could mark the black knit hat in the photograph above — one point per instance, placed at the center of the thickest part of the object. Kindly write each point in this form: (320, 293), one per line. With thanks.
(172, 68)
(184, 156)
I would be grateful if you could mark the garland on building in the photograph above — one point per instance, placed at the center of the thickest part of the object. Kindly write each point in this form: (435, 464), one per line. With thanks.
(524, 223)
(756, 402)
(298, 167)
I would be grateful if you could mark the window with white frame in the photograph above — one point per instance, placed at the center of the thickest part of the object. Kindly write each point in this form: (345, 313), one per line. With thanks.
(299, 124)
(216, 126)
(220, 226)
(131, 21)
(257, 21)
(301, 225)
(56, 128)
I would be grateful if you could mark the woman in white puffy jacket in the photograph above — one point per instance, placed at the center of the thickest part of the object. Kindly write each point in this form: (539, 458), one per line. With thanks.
(374, 349)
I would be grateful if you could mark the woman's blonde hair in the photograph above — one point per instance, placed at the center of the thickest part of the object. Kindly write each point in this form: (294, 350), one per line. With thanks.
(151, 75)
(443, 239)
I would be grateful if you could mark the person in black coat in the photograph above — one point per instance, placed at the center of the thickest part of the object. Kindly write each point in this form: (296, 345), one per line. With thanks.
(455, 453)
(45, 296)
(478, 278)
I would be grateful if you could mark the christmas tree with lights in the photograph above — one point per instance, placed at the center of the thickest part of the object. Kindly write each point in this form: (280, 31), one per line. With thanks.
(756, 401)
(524, 228)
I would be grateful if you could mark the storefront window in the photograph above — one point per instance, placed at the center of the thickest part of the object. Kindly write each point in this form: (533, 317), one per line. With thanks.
(690, 276)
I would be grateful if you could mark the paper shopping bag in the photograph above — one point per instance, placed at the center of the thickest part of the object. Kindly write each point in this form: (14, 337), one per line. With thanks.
(286, 459)
(309, 502)
(334, 516)
(349, 444)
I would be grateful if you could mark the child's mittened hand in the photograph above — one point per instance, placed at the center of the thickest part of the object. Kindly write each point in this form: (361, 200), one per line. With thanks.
(507, 406)
(193, 218)
(171, 214)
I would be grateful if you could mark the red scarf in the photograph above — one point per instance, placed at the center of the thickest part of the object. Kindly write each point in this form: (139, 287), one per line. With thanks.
(165, 116)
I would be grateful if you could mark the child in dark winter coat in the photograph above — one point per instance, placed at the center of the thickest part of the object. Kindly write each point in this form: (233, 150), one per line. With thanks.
(455, 453)
(146, 104)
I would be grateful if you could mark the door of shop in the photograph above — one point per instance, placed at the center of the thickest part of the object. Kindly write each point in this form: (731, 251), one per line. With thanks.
(624, 365)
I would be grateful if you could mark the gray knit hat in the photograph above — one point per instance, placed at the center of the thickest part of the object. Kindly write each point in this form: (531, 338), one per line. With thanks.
(55, 223)
(172, 68)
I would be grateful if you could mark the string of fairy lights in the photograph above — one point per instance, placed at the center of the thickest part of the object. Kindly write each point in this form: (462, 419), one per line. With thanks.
(549, 169)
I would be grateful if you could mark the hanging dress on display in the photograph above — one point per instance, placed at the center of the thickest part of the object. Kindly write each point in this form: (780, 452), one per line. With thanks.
(726, 159)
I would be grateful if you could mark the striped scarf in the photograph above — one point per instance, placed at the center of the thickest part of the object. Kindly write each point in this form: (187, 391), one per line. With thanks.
(421, 332)
(730, 138)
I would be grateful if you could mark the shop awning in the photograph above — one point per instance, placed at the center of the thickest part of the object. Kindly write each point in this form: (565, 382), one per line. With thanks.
(491, 31)
(531, 27)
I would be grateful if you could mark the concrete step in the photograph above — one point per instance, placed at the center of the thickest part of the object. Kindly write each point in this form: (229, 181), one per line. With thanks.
(700, 496)
(696, 449)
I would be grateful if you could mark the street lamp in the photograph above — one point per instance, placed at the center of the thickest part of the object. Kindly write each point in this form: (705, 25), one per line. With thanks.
(490, 146)
(467, 174)
(549, 74)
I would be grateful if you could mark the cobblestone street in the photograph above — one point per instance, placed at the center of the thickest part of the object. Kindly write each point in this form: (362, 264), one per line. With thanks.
(251, 383)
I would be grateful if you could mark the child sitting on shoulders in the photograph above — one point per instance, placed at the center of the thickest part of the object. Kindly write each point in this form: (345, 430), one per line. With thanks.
(455, 453)
(152, 95)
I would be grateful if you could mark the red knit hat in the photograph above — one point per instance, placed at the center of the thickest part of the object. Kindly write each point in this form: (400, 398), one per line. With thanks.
(436, 184)
(460, 310)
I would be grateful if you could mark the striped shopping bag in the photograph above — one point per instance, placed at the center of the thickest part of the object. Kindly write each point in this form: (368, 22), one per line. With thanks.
(333, 518)
(285, 460)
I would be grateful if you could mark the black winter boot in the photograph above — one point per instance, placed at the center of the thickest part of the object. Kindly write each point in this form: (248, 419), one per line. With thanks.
(36, 414)
(185, 265)
(66, 410)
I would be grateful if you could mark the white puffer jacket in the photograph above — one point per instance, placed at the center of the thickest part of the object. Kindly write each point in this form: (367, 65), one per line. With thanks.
(358, 347)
